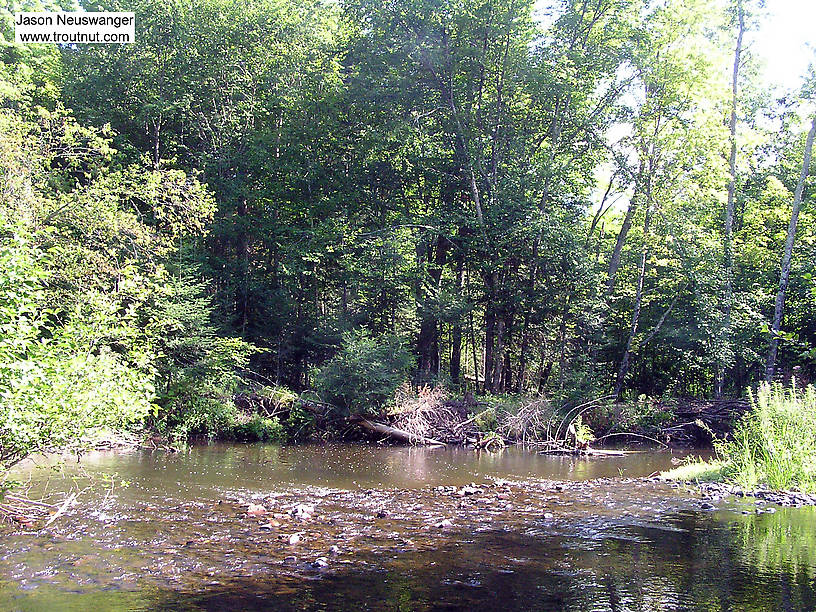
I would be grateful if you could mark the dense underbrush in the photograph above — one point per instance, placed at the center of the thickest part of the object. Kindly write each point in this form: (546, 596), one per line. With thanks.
(773, 445)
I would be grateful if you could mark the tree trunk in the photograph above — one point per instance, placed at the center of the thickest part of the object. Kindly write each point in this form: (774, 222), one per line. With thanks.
(475, 352)
(544, 373)
(784, 275)
(614, 260)
(490, 280)
(555, 137)
(624, 365)
(243, 254)
(562, 339)
(456, 331)
(498, 359)
(719, 378)
(393, 432)
(490, 339)
(428, 341)
(156, 137)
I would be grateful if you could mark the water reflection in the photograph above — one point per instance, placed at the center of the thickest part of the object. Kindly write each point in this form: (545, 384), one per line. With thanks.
(343, 466)
(166, 543)
(696, 566)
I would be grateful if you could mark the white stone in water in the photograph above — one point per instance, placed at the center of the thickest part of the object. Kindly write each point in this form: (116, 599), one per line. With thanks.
(303, 511)
(256, 510)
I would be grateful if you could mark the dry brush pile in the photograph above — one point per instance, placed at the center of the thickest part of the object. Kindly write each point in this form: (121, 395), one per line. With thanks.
(431, 413)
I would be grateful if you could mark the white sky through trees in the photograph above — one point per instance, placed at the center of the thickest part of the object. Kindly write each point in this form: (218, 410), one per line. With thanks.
(786, 40)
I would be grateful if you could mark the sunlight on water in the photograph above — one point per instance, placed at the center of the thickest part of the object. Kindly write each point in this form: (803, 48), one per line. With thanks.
(178, 537)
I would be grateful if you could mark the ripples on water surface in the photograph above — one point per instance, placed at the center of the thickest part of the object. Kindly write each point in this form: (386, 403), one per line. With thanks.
(177, 536)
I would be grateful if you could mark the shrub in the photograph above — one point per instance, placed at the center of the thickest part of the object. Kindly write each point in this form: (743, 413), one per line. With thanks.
(645, 414)
(258, 429)
(301, 423)
(363, 376)
(192, 414)
(486, 420)
(196, 368)
(775, 443)
(59, 384)
(583, 432)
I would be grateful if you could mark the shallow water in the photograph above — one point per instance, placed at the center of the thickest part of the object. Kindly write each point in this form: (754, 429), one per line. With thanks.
(392, 529)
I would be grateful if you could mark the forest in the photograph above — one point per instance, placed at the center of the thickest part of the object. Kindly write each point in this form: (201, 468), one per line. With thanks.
(570, 200)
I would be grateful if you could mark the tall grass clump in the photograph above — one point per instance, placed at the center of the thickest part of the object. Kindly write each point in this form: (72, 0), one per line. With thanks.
(775, 443)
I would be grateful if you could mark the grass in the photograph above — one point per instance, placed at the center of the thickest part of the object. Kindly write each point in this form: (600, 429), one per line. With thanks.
(696, 470)
(774, 444)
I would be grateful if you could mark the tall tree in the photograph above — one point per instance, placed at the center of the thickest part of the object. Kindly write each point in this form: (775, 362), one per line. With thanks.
(784, 273)
(724, 352)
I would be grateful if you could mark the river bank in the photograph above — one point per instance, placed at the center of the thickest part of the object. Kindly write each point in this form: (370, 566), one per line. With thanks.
(434, 415)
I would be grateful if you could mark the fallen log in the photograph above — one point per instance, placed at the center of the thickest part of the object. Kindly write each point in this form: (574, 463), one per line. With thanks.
(63, 507)
(585, 452)
(393, 432)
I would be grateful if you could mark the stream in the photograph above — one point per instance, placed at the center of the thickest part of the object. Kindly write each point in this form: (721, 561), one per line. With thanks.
(367, 527)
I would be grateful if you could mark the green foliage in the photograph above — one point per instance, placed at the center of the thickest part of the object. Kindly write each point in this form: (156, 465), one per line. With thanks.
(487, 421)
(300, 425)
(424, 171)
(775, 443)
(258, 429)
(97, 334)
(59, 383)
(196, 368)
(583, 433)
(363, 376)
(646, 413)
(696, 470)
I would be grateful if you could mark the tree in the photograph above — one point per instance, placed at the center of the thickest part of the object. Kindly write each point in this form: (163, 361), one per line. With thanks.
(784, 274)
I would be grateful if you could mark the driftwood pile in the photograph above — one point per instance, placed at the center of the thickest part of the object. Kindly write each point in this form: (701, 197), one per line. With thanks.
(255, 403)
(29, 513)
(432, 414)
(696, 422)
(429, 416)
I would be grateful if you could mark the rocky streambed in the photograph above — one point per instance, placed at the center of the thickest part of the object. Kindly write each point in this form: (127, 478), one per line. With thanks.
(522, 541)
